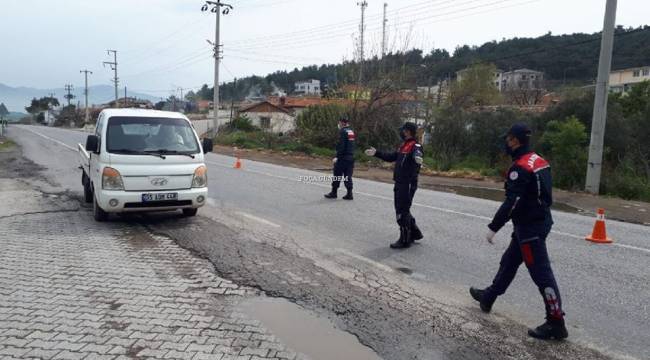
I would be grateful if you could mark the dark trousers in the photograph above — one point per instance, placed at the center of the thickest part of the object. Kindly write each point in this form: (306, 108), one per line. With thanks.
(343, 168)
(403, 198)
(528, 245)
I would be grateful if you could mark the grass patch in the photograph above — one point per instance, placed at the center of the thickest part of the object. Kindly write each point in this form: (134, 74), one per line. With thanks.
(6, 144)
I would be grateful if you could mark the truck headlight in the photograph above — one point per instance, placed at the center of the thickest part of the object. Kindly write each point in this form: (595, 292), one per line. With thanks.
(111, 179)
(200, 177)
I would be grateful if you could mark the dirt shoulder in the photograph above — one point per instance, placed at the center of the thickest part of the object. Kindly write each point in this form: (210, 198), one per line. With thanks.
(623, 210)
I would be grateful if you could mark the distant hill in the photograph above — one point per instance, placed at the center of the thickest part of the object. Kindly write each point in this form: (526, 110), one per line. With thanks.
(570, 58)
(15, 116)
(16, 98)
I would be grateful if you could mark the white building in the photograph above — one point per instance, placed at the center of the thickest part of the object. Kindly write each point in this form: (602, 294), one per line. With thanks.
(521, 79)
(309, 87)
(622, 80)
(270, 117)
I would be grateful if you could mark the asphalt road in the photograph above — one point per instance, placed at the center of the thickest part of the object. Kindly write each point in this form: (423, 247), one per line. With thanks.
(604, 287)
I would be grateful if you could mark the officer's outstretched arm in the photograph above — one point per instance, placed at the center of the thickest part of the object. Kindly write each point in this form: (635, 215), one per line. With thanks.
(515, 190)
(387, 156)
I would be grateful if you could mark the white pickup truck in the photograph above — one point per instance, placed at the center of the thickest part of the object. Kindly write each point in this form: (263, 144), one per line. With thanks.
(144, 160)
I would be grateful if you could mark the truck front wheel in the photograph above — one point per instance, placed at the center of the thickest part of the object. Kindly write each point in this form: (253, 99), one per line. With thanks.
(190, 212)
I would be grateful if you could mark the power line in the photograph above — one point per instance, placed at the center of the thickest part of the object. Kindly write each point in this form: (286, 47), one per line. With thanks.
(284, 44)
(348, 25)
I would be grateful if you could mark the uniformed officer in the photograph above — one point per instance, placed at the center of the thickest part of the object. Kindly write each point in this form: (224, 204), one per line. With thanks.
(408, 160)
(528, 201)
(344, 160)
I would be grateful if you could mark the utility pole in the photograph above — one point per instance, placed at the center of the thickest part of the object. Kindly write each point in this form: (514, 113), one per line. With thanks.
(594, 166)
(113, 66)
(182, 101)
(362, 29)
(383, 33)
(215, 8)
(86, 72)
(126, 101)
(68, 96)
(232, 99)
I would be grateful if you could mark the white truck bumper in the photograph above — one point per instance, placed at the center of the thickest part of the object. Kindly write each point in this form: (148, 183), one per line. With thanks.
(131, 201)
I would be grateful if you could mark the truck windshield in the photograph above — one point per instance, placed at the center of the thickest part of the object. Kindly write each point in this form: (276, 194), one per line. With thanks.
(138, 135)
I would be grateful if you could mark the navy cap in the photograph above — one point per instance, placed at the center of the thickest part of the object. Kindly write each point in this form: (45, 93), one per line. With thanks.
(521, 132)
(344, 119)
(410, 126)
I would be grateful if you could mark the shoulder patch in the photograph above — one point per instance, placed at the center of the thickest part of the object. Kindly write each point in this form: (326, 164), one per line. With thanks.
(407, 147)
(351, 135)
(514, 175)
(532, 162)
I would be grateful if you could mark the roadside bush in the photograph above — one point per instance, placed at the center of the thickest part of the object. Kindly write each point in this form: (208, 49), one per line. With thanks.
(623, 184)
(317, 125)
(566, 142)
(241, 123)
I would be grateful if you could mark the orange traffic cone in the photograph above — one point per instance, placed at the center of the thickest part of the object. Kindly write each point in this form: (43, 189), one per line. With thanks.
(237, 163)
(599, 234)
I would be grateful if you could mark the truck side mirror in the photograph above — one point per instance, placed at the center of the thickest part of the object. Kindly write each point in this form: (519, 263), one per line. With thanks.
(92, 143)
(207, 145)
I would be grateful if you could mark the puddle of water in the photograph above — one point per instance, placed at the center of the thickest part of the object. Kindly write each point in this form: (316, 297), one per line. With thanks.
(306, 332)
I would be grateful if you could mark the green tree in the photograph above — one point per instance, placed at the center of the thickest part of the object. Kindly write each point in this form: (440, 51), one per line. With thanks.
(317, 125)
(42, 104)
(475, 87)
(566, 142)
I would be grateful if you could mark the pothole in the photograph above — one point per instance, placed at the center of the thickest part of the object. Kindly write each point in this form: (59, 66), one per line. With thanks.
(404, 270)
(306, 332)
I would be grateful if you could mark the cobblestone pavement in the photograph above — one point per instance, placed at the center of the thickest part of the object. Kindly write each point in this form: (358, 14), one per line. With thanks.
(74, 289)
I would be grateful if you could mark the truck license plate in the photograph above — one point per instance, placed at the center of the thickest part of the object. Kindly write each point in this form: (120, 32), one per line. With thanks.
(159, 197)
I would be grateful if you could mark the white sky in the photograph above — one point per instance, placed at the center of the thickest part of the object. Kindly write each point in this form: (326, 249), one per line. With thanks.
(162, 43)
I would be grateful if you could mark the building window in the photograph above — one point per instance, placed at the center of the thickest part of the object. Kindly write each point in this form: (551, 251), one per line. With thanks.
(265, 122)
(523, 77)
(636, 73)
(646, 72)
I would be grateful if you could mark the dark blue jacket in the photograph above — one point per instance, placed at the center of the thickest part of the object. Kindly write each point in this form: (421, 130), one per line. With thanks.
(529, 192)
(346, 144)
(406, 169)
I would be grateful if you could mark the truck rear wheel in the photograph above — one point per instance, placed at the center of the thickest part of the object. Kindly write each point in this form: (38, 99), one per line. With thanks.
(98, 213)
(88, 191)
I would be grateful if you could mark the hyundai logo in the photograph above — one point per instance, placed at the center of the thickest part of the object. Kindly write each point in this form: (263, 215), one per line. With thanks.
(159, 181)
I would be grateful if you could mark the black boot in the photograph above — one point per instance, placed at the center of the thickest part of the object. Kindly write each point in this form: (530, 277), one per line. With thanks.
(416, 234)
(402, 242)
(551, 329)
(478, 295)
(348, 196)
(331, 195)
